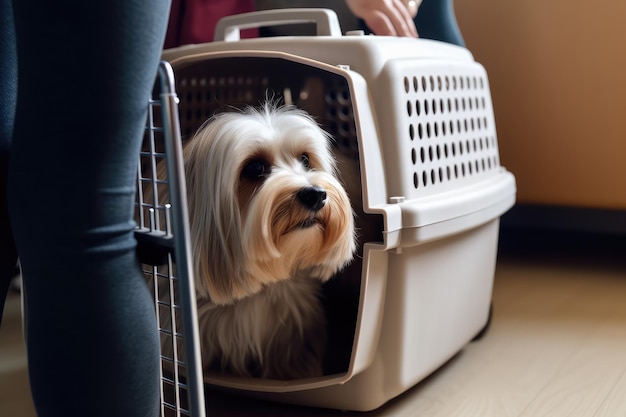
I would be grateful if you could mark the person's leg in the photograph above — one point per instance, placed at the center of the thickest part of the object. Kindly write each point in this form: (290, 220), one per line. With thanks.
(85, 72)
(8, 93)
(436, 20)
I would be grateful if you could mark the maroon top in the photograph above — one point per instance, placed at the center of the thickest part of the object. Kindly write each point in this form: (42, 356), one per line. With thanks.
(194, 21)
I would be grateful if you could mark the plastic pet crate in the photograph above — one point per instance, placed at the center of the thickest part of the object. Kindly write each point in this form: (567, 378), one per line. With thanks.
(416, 144)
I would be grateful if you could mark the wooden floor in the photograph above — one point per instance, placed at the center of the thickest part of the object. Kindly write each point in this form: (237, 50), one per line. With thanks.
(556, 347)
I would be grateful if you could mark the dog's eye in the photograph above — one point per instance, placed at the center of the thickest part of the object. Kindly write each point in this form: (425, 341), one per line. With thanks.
(256, 168)
(304, 159)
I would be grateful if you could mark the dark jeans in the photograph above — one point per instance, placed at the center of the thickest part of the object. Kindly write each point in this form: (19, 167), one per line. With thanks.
(76, 77)
(436, 20)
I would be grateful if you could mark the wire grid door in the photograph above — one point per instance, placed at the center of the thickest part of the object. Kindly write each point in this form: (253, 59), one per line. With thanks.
(164, 249)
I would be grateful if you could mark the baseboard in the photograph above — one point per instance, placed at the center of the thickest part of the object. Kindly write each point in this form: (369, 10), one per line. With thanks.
(574, 219)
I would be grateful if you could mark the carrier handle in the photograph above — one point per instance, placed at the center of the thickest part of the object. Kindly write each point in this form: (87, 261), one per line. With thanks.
(229, 28)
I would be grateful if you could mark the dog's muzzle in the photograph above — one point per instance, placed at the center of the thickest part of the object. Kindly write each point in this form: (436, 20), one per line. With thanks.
(313, 198)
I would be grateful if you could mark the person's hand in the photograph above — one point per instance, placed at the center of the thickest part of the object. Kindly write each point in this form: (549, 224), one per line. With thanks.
(387, 17)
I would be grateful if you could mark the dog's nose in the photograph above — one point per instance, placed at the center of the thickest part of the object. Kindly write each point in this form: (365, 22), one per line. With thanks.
(312, 198)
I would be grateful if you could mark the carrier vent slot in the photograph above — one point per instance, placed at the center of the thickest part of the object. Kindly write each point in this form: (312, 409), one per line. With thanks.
(449, 129)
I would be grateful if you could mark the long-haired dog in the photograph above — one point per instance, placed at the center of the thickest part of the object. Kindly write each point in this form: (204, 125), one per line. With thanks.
(269, 223)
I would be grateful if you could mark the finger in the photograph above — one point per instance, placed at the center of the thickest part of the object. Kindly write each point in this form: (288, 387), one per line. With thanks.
(380, 24)
(412, 6)
(402, 20)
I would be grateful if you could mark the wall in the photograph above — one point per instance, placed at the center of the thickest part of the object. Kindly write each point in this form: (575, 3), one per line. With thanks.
(558, 78)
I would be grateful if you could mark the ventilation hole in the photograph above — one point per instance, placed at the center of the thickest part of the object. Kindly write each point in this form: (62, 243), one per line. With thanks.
(432, 83)
(463, 169)
(424, 178)
(438, 152)
(424, 87)
(458, 125)
(439, 83)
(463, 103)
(456, 104)
(467, 146)
(477, 166)
(469, 168)
(467, 82)
(441, 106)
(434, 106)
(471, 106)
(485, 122)
(453, 146)
(411, 132)
(447, 81)
(420, 131)
(456, 171)
(406, 84)
(430, 153)
(448, 172)
(461, 83)
(425, 106)
(483, 102)
(418, 107)
(449, 106)
(415, 84)
(409, 108)
(445, 150)
(489, 163)
(451, 127)
(428, 130)
(472, 124)
(476, 103)
(443, 128)
(479, 123)
(460, 148)
(482, 163)
(413, 156)
(454, 83)
(422, 155)
(415, 180)
(435, 126)
(440, 174)
(432, 176)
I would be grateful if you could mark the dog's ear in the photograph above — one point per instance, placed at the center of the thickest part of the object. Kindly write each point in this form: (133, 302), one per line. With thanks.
(220, 265)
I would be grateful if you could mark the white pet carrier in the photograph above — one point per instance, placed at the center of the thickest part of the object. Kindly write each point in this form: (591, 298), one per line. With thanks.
(416, 143)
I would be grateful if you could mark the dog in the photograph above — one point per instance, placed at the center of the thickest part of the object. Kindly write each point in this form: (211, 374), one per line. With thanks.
(270, 222)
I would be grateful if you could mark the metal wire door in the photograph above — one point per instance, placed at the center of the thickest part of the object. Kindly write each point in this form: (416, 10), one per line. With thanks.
(165, 250)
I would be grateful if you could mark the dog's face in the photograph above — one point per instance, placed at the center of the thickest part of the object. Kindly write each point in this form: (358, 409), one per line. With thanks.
(264, 203)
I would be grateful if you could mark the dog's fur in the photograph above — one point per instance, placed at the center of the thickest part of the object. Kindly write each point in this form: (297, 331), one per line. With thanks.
(260, 249)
